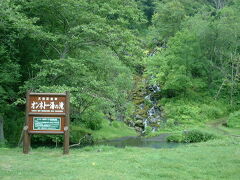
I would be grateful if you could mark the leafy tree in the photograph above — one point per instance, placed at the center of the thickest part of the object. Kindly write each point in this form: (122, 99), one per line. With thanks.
(181, 65)
(80, 24)
(14, 26)
(168, 17)
(94, 80)
(85, 47)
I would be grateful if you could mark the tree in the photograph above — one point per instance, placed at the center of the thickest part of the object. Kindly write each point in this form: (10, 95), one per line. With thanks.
(181, 66)
(204, 53)
(14, 26)
(80, 24)
(94, 80)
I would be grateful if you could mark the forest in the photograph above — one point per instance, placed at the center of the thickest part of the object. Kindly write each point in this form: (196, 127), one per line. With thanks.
(111, 54)
(154, 89)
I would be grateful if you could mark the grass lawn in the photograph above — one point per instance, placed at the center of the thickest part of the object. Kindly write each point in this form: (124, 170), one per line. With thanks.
(116, 130)
(217, 159)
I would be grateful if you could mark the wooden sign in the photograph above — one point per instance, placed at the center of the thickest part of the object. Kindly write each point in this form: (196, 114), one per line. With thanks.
(47, 113)
(49, 103)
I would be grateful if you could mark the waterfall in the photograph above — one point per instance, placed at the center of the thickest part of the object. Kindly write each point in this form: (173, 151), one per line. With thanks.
(148, 115)
(154, 115)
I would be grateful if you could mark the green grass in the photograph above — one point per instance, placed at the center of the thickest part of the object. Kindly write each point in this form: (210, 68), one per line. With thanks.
(217, 159)
(214, 126)
(115, 130)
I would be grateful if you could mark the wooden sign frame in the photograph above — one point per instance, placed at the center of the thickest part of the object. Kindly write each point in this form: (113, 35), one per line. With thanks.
(47, 113)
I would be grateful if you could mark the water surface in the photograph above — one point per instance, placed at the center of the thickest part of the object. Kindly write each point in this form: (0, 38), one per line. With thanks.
(140, 141)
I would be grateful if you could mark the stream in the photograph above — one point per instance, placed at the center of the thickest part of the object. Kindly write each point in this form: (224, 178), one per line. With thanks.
(150, 121)
(148, 114)
(140, 141)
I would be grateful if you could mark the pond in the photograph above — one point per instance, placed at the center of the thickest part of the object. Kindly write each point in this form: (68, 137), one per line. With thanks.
(140, 141)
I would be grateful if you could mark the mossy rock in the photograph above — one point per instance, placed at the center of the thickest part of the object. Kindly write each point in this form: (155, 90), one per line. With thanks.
(138, 101)
(154, 125)
(142, 112)
(139, 123)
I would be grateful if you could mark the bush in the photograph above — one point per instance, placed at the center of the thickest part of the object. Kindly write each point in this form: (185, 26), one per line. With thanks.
(13, 125)
(193, 136)
(76, 133)
(212, 111)
(185, 111)
(182, 112)
(45, 139)
(148, 130)
(115, 124)
(93, 120)
(175, 138)
(170, 123)
(234, 120)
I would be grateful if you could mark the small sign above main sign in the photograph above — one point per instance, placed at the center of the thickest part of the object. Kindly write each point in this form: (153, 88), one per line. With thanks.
(47, 104)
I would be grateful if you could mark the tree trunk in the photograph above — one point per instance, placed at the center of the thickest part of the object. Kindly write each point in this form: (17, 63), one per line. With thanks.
(232, 85)
(1, 129)
(219, 4)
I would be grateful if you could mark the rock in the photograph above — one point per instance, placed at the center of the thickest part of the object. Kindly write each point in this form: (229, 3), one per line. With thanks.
(131, 123)
(138, 117)
(139, 123)
(138, 129)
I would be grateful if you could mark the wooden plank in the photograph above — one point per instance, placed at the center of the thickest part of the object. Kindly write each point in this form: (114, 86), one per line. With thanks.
(47, 94)
(66, 127)
(26, 138)
(47, 114)
(47, 104)
(46, 132)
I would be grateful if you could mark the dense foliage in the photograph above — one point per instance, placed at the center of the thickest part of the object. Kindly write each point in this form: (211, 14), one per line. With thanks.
(94, 49)
(234, 120)
(89, 49)
(192, 136)
(196, 59)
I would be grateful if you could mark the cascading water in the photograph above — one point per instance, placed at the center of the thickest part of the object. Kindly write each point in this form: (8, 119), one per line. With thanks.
(154, 115)
(148, 115)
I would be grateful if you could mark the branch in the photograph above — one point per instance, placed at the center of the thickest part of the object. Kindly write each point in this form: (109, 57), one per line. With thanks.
(79, 142)
(44, 52)
(220, 88)
(59, 53)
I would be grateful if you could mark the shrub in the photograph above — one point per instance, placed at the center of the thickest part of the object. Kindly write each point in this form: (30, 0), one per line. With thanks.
(148, 130)
(185, 111)
(195, 135)
(175, 138)
(182, 112)
(76, 133)
(93, 120)
(170, 123)
(191, 136)
(115, 124)
(45, 139)
(234, 120)
(212, 111)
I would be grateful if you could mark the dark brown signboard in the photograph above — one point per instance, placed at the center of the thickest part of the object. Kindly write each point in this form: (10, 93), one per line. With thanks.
(47, 103)
(47, 113)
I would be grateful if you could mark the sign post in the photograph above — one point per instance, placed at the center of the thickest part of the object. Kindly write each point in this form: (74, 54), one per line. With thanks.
(47, 113)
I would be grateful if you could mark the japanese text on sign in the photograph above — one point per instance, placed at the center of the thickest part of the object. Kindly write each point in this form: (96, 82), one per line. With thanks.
(47, 104)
